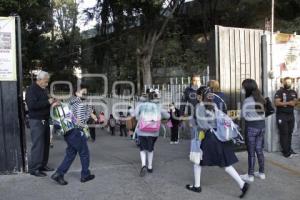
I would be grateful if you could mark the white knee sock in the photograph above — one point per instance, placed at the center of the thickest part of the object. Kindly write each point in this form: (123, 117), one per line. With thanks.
(197, 175)
(150, 159)
(143, 158)
(233, 173)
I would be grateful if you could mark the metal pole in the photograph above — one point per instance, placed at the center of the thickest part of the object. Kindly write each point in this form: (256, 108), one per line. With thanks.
(271, 37)
(20, 86)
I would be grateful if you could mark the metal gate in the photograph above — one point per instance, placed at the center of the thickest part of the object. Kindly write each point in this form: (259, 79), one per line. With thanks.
(238, 56)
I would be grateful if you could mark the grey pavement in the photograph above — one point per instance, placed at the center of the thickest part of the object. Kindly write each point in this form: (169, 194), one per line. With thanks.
(116, 164)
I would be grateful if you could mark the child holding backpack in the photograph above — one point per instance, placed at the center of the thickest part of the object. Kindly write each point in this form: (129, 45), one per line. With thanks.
(149, 116)
(214, 151)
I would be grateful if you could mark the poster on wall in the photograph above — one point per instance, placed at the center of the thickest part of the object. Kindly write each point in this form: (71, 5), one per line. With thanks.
(287, 55)
(7, 49)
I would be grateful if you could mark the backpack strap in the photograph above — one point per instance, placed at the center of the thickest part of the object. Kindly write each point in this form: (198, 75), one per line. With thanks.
(221, 100)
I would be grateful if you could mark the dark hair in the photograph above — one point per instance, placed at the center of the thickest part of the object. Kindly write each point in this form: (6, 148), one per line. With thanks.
(287, 78)
(251, 89)
(79, 87)
(202, 91)
(152, 95)
(205, 91)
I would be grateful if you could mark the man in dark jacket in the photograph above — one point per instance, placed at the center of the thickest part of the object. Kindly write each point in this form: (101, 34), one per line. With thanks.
(190, 96)
(285, 101)
(189, 102)
(39, 105)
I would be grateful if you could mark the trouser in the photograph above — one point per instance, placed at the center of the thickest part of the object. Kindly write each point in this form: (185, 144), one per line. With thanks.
(112, 130)
(174, 134)
(40, 137)
(255, 144)
(93, 132)
(285, 123)
(123, 130)
(77, 143)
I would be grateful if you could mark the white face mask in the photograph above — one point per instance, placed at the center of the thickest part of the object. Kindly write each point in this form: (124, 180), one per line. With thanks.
(243, 91)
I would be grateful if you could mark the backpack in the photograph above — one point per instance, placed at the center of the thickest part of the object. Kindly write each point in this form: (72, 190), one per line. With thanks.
(101, 118)
(269, 109)
(227, 130)
(112, 122)
(150, 118)
(63, 118)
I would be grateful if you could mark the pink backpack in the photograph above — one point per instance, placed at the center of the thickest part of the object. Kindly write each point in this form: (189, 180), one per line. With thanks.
(150, 118)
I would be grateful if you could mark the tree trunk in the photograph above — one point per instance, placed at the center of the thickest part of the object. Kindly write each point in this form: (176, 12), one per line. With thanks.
(147, 78)
(138, 74)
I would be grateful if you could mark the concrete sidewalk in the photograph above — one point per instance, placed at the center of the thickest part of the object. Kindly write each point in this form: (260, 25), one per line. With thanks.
(116, 164)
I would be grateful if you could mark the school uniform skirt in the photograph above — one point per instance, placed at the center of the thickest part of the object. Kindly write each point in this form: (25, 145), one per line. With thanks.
(217, 153)
(147, 143)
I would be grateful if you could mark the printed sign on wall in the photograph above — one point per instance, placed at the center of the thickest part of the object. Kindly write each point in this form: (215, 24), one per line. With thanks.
(7, 49)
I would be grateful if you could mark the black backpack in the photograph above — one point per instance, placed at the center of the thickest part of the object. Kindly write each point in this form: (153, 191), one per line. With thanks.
(269, 109)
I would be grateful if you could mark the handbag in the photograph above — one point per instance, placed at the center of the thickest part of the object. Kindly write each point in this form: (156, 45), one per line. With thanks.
(169, 124)
(195, 152)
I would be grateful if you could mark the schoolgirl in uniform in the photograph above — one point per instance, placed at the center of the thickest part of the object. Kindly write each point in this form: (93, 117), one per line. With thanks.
(215, 152)
(147, 137)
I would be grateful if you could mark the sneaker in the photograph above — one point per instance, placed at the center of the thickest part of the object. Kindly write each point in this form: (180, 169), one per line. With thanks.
(143, 171)
(172, 142)
(177, 142)
(149, 170)
(290, 156)
(294, 153)
(262, 176)
(247, 178)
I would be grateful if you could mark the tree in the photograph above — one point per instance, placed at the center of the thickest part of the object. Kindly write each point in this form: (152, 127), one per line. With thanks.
(36, 21)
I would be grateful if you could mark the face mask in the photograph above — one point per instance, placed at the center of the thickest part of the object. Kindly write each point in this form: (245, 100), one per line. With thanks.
(287, 86)
(243, 91)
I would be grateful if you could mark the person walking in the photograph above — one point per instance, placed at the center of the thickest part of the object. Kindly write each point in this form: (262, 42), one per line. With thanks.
(215, 152)
(112, 124)
(253, 111)
(76, 139)
(285, 101)
(122, 122)
(174, 123)
(149, 115)
(39, 104)
(92, 125)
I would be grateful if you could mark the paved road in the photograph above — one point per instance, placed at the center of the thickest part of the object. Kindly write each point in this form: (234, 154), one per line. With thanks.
(115, 162)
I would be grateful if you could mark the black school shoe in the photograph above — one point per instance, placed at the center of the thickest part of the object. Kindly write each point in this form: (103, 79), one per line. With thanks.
(38, 173)
(244, 190)
(193, 188)
(59, 179)
(143, 171)
(88, 178)
(149, 170)
(47, 169)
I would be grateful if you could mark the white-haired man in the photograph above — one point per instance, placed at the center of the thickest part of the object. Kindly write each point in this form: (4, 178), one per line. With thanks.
(39, 104)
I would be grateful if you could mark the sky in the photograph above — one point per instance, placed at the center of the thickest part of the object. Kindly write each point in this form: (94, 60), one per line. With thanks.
(83, 4)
